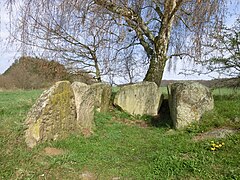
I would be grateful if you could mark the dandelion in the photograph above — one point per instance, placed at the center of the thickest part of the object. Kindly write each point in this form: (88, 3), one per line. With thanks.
(216, 146)
(213, 148)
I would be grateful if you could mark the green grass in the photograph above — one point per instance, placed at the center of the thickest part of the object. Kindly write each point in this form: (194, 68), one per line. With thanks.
(226, 91)
(164, 90)
(120, 150)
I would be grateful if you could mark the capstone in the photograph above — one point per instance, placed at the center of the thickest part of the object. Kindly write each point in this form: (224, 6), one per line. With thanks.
(139, 99)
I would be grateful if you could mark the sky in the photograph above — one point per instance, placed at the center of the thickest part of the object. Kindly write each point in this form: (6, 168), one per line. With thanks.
(9, 54)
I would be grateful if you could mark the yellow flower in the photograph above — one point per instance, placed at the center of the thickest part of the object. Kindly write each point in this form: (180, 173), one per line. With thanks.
(213, 149)
(214, 145)
(223, 143)
(217, 146)
(220, 145)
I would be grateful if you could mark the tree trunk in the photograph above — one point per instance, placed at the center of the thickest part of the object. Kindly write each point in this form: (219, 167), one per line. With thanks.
(97, 73)
(158, 57)
(156, 69)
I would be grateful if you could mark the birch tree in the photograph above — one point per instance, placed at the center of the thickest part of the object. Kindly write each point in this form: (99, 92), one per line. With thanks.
(224, 51)
(155, 23)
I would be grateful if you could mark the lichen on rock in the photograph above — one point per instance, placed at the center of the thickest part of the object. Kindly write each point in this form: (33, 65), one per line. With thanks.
(188, 101)
(53, 116)
(139, 99)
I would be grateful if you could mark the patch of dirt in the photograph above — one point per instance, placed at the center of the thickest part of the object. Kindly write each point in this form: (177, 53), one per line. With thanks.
(53, 151)
(185, 156)
(170, 132)
(116, 178)
(139, 123)
(162, 119)
(86, 132)
(86, 175)
(217, 133)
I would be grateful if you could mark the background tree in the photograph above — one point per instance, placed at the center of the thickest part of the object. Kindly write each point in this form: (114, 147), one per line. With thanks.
(73, 32)
(225, 51)
(130, 65)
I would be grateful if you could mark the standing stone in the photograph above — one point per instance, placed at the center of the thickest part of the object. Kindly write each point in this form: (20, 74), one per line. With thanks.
(103, 94)
(139, 99)
(188, 101)
(53, 116)
(85, 100)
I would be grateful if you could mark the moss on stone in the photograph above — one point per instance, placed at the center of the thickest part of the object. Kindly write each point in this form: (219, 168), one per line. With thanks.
(53, 116)
(35, 130)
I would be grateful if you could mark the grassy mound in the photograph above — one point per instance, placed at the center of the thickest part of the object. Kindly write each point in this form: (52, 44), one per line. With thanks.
(35, 73)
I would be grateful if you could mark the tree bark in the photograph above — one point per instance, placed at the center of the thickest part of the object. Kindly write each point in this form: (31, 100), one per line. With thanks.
(156, 69)
(158, 58)
(97, 73)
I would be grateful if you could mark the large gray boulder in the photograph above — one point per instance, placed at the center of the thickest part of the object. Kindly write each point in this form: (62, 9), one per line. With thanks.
(139, 99)
(103, 94)
(188, 101)
(84, 100)
(53, 116)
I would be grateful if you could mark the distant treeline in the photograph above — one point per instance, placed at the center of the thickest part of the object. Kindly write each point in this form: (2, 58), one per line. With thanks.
(36, 73)
(215, 83)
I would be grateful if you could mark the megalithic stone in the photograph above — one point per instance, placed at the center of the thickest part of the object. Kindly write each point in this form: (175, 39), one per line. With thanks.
(188, 101)
(103, 94)
(85, 101)
(53, 116)
(139, 99)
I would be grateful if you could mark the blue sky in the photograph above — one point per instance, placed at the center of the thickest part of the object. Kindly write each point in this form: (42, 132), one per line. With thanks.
(9, 54)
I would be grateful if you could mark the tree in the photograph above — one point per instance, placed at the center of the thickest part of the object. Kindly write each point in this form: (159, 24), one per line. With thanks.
(225, 51)
(162, 28)
(155, 23)
(66, 30)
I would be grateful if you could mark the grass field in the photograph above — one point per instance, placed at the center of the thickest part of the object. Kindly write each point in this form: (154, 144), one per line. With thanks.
(119, 150)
